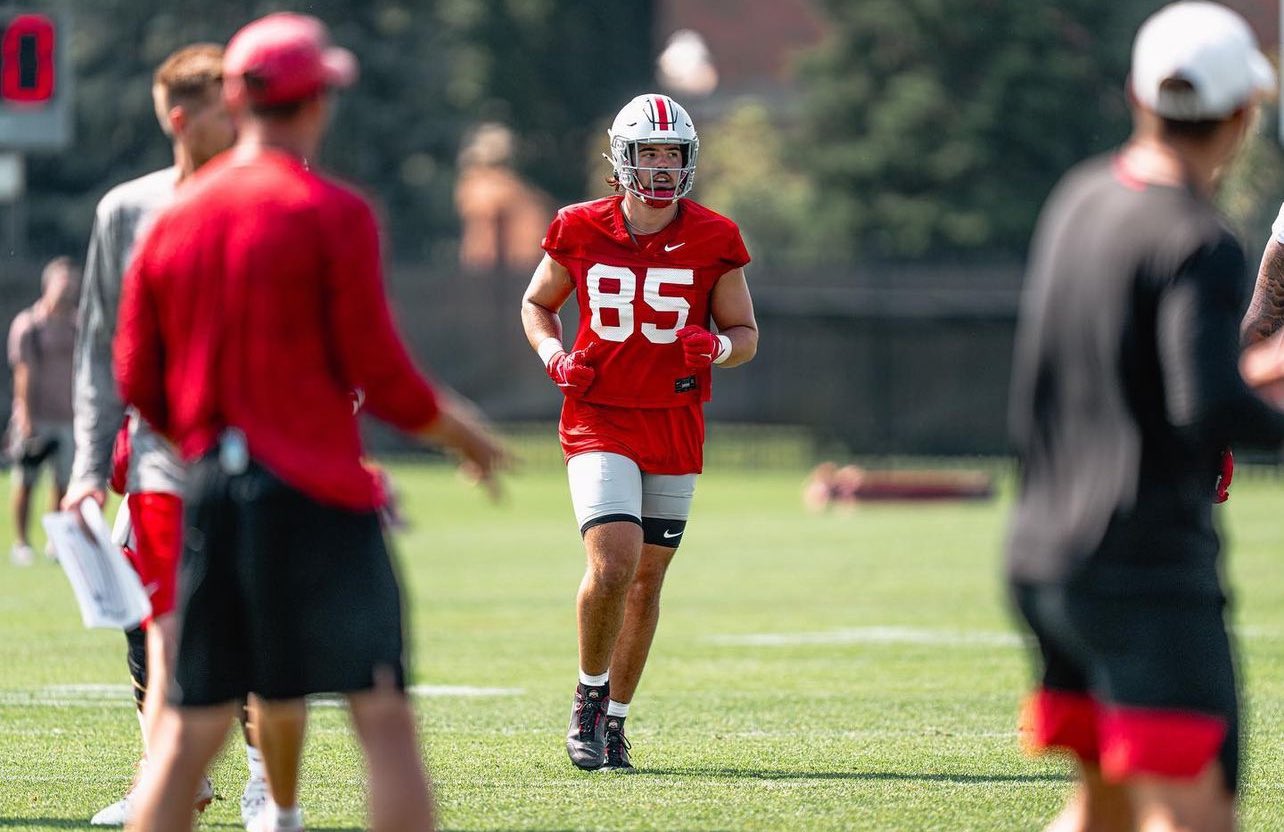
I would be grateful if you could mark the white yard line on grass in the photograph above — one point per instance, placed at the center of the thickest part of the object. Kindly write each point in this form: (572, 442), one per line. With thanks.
(916, 635)
(427, 692)
(462, 691)
(94, 695)
(875, 635)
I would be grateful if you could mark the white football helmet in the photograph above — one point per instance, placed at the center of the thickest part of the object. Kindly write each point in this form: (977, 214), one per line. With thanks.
(653, 119)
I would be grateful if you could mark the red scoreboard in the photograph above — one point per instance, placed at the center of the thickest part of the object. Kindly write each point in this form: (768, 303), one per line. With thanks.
(35, 80)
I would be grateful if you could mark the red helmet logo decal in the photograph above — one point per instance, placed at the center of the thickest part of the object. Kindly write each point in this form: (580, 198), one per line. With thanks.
(660, 113)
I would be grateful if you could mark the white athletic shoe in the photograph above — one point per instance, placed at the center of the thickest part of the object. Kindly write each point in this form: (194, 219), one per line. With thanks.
(118, 813)
(22, 555)
(266, 821)
(254, 800)
(204, 795)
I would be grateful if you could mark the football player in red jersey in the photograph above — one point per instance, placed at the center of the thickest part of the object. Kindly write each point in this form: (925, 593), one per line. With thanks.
(650, 270)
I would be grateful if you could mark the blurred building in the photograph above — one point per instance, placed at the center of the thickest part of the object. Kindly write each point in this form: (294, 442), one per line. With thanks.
(1263, 15)
(502, 216)
(751, 43)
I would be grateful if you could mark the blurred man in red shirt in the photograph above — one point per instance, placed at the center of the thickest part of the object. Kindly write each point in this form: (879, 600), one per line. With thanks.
(249, 314)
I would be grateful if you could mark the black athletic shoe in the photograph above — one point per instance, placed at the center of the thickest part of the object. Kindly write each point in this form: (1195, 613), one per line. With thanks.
(617, 746)
(585, 740)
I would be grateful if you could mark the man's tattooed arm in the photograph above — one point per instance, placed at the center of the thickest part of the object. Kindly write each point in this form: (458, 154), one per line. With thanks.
(1266, 310)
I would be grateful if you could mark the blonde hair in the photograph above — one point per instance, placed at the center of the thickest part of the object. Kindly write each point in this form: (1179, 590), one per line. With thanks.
(190, 77)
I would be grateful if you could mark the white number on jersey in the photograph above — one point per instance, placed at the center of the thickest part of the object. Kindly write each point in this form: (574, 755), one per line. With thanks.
(622, 301)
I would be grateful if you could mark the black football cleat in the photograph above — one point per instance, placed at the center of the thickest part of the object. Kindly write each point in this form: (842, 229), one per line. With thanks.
(585, 739)
(617, 746)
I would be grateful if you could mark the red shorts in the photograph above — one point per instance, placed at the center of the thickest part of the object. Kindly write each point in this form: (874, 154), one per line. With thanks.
(157, 546)
(1123, 741)
(661, 440)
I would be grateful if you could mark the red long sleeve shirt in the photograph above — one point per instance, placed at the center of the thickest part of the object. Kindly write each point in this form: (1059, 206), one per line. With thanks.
(257, 301)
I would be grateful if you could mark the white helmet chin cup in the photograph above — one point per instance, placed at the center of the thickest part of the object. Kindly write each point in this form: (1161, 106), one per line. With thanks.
(653, 119)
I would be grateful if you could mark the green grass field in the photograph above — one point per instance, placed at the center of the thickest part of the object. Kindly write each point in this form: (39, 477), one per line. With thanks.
(848, 671)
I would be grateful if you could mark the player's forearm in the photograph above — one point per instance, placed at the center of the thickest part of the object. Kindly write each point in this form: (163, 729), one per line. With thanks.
(1266, 310)
(539, 323)
(460, 426)
(98, 411)
(21, 400)
(744, 345)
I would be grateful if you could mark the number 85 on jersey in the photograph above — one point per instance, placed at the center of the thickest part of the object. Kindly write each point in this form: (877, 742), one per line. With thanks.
(612, 292)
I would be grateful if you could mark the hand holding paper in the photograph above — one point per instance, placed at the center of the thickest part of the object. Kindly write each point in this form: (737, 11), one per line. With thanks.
(106, 586)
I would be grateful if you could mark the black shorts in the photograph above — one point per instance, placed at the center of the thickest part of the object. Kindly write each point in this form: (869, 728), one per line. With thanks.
(1137, 684)
(280, 595)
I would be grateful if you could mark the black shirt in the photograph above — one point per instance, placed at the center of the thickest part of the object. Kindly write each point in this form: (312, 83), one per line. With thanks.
(1126, 385)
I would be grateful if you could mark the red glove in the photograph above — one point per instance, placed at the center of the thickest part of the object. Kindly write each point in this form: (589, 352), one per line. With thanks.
(573, 372)
(1222, 493)
(700, 347)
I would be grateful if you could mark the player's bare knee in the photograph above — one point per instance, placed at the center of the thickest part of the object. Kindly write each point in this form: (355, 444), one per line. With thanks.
(382, 714)
(282, 714)
(162, 641)
(200, 728)
(612, 574)
(645, 590)
(1202, 804)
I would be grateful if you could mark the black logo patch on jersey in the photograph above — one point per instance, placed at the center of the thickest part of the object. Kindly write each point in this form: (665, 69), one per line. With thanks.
(685, 384)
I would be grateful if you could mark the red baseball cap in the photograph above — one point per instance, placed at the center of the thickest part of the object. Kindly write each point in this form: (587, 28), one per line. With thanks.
(284, 57)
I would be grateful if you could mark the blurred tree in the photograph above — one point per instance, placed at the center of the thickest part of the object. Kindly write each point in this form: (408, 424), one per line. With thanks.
(1253, 187)
(747, 170)
(936, 127)
(430, 69)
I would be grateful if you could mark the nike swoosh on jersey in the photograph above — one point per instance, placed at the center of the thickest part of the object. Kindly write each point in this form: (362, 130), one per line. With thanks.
(668, 247)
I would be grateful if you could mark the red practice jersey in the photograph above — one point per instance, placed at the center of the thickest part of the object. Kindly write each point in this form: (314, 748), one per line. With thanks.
(635, 295)
(257, 302)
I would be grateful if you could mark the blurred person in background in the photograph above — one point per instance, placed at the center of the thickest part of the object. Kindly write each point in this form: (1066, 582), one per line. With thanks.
(249, 315)
(501, 214)
(652, 271)
(187, 96)
(1126, 389)
(42, 340)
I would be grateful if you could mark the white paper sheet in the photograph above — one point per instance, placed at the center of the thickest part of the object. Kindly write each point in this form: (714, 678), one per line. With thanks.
(106, 586)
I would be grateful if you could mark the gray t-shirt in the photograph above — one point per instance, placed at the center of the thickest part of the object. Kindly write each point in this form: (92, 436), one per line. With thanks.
(122, 218)
(45, 343)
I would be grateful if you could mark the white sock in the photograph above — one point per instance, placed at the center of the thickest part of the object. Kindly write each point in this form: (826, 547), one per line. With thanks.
(288, 818)
(254, 762)
(620, 709)
(594, 681)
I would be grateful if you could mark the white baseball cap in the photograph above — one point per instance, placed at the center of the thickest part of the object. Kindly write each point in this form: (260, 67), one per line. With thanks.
(1207, 45)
